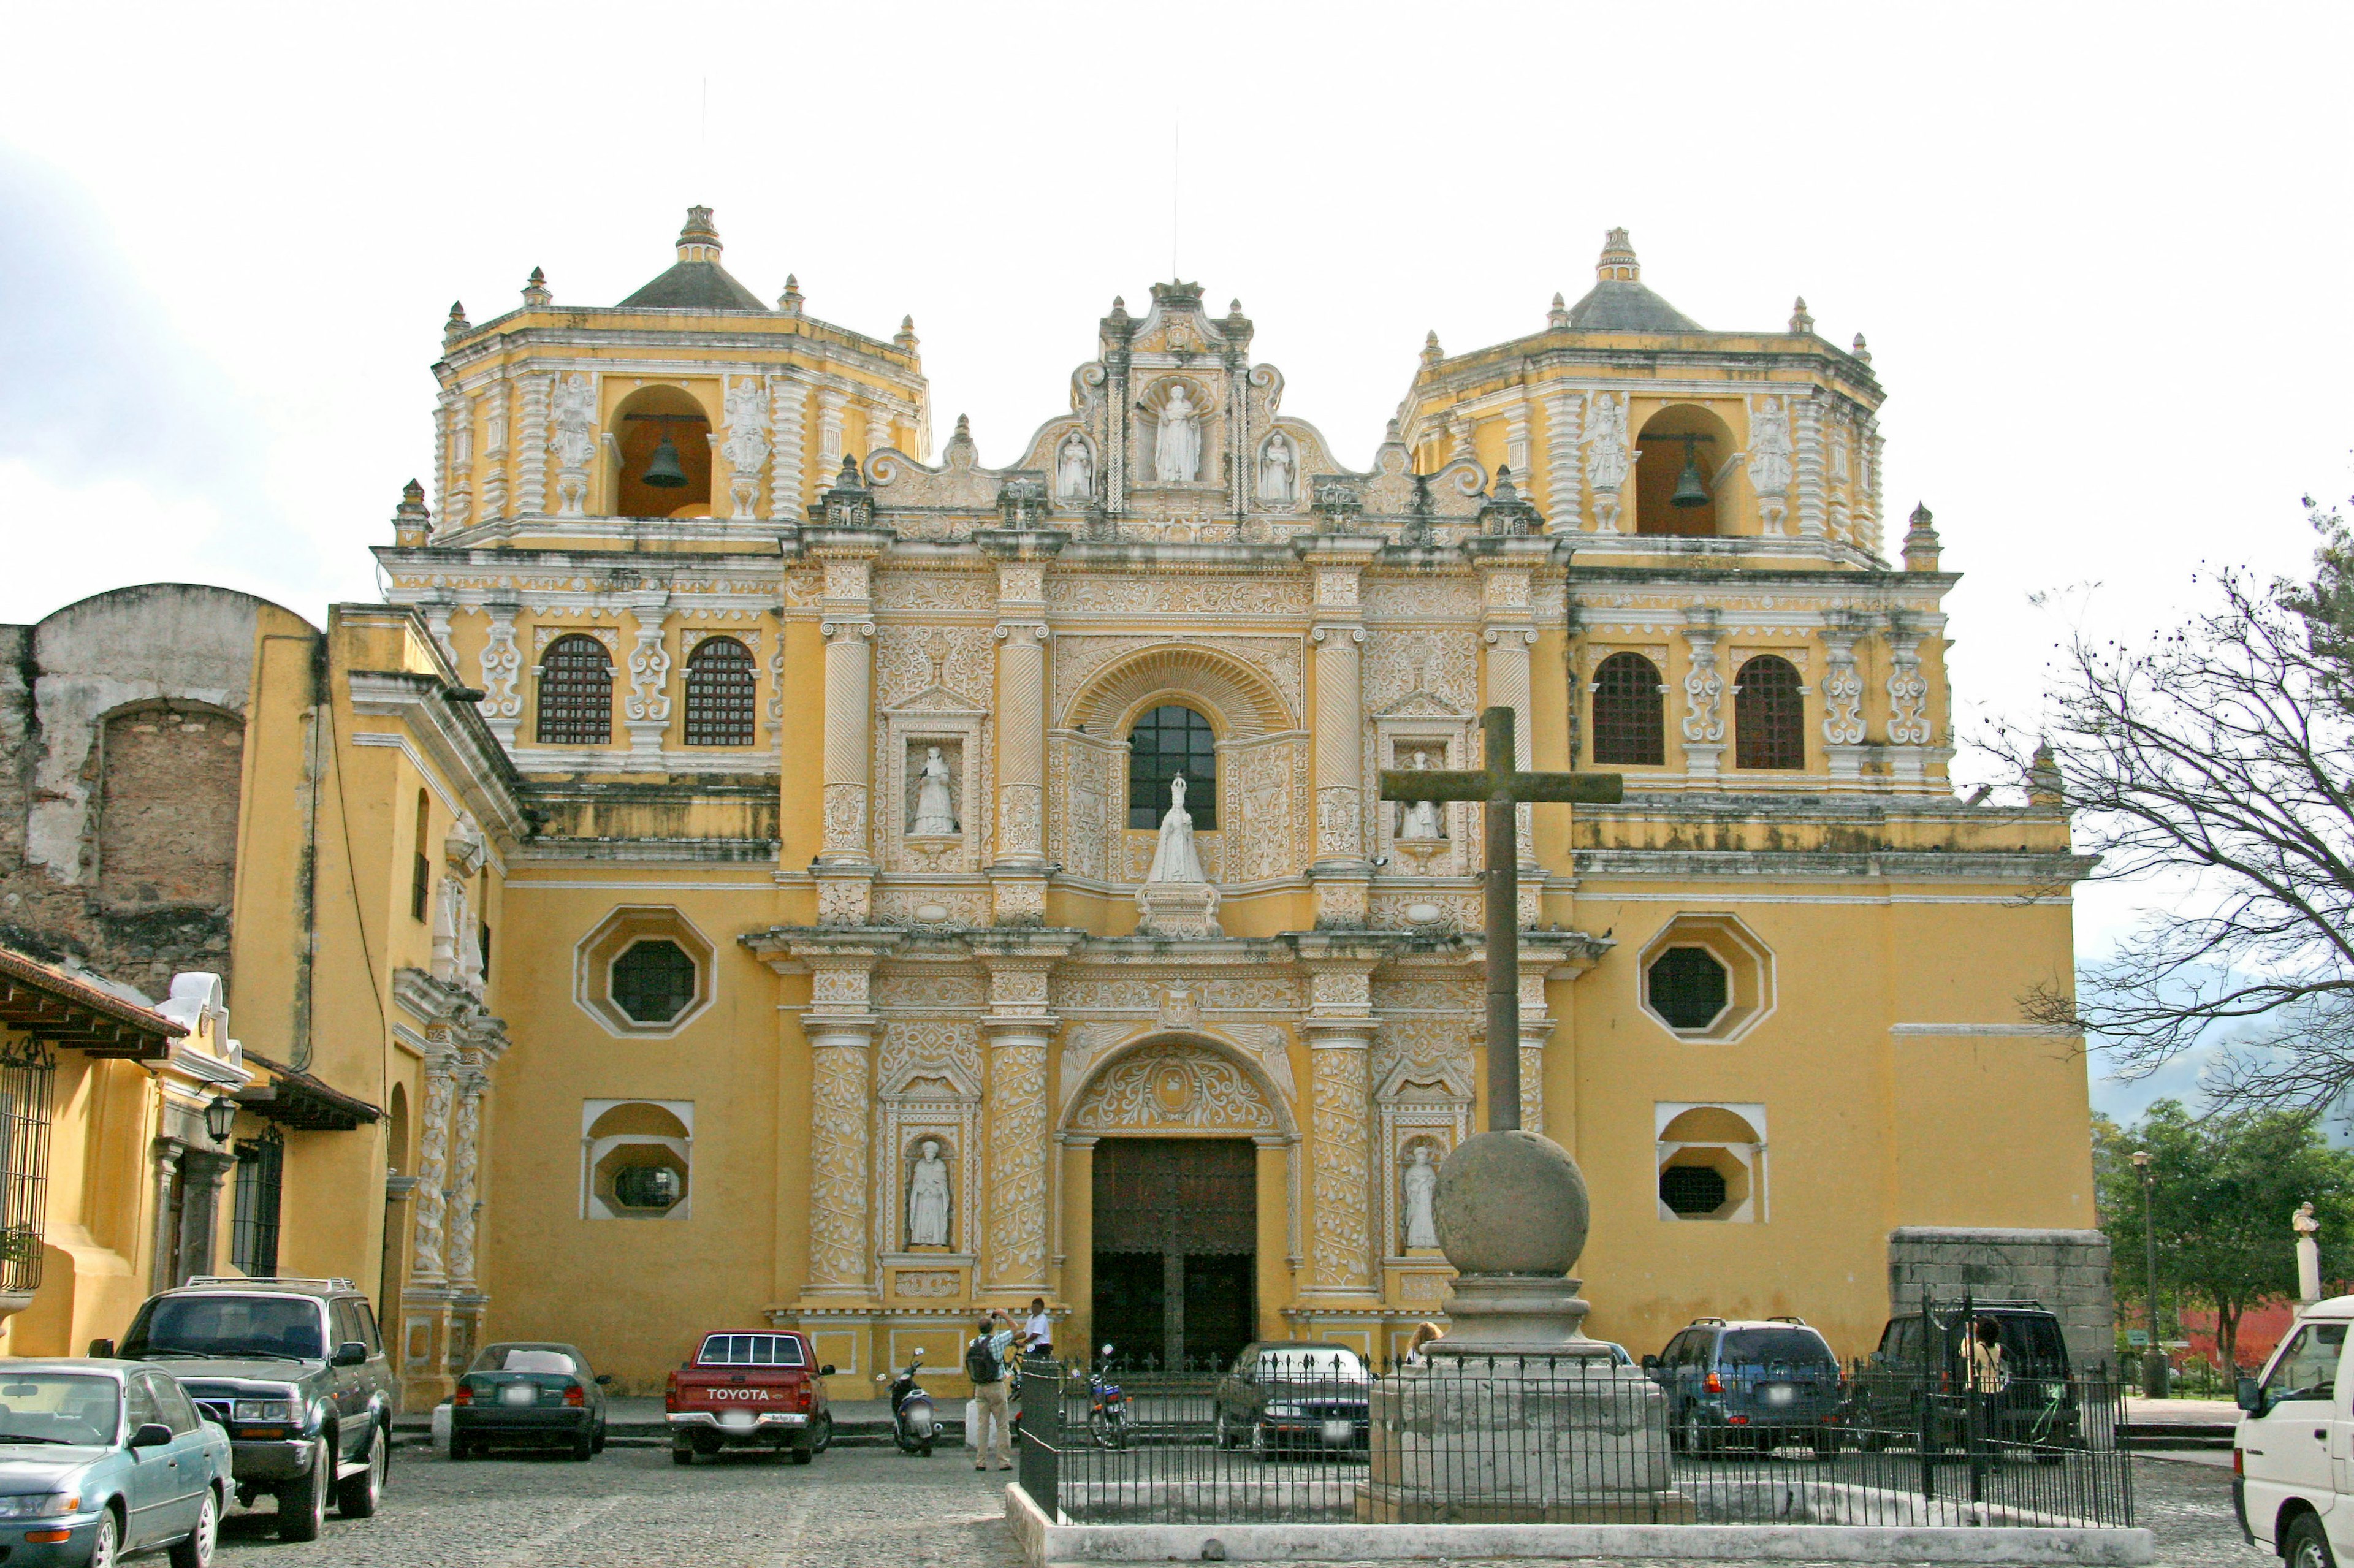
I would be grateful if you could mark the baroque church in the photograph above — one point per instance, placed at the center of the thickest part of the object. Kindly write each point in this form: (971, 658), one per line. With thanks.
(848, 891)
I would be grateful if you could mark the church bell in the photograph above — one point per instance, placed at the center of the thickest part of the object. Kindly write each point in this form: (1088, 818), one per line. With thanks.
(1691, 490)
(663, 473)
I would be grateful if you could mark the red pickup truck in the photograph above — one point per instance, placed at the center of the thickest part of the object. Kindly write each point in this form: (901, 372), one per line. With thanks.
(755, 1390)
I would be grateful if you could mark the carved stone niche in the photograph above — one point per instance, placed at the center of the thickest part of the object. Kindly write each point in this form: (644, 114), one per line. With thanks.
(1209, 428)
(909, 734)
(1421, 1103)
(1440, 741)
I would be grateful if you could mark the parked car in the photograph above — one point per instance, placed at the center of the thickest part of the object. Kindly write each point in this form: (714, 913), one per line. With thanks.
(1761, 1383)
(749, 1390)
(532, 1395)
(295, 1372)
(1905, 1382)
(2289, 1473)
(1290, 1395)
(102, 1457)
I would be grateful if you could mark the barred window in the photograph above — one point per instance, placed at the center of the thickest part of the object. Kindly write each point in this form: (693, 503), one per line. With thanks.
(653, 981)
(719, 693)
(576, 693)
(1770, 717)
(26, 1068)
(1689, 987)
(1692, 1190)
(1166, 742)
(1629, 719)
(253, 1224)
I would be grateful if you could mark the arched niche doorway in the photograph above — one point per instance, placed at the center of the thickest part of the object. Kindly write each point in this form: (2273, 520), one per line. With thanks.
(1667, 436)
(1175, 1128)
(638, 425)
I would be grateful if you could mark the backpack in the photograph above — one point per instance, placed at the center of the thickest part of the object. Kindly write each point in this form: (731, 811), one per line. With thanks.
(981, 1362)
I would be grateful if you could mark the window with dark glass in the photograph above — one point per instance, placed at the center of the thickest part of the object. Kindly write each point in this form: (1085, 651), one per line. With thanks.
(1689, 987)
(1691, 1190)
(719, 693)
(653, 981)
(647, 1187)
(1166, 742)
(576, 693)
(1770, 717)
(253, 1224)
(1629, 719)
(26, 1068)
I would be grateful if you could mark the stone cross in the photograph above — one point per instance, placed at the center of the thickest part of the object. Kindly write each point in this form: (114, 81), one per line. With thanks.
(1500, 786)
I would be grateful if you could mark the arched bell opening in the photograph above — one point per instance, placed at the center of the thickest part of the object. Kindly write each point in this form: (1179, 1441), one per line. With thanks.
(1684, 448)
(663, 439)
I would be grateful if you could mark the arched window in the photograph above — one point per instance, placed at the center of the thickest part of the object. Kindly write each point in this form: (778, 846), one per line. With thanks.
(1629, 721)
(576, 693)
(1683, 447)
(1166, 742)
(1769, 717)
(663, 439)
(719, 693)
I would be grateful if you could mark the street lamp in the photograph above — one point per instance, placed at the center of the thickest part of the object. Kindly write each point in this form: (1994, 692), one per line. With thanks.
(2153, 1363)
(221, 1118)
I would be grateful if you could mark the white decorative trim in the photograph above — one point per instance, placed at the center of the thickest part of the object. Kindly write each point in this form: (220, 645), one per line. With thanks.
(2003, 1031)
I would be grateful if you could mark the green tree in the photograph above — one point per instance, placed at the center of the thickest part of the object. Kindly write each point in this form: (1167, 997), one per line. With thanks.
(2225, 1185)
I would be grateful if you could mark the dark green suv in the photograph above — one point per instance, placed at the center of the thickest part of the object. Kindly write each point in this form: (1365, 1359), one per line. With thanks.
(1915, 1387)
(296, 1372)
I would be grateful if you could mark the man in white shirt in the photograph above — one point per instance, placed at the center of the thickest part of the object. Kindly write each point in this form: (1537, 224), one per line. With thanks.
(1038, 1329)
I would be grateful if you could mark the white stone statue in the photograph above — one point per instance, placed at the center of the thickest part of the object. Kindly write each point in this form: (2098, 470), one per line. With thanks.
(576, 413)
(1421, 816)
(1420, 1185)
(927, 1199)
(935, 806)
(1275, 466)
(457, 938)
(1175, 858)
(2308, 1252)
(1177, 450)
(1074, 469)
(1605, 453)
(1769, 448)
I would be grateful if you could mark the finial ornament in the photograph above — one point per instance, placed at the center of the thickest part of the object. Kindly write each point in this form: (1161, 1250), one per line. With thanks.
(1801, 323)
(535, 292)
(1618, 264)
(2043, 777)
(1860, 351)
(906, 334)
(1431, 353)
(849, 478)
(457, 326)
(1557, 317)
(1920, 544)
(412, 525)
(789, 301)
(699, 240)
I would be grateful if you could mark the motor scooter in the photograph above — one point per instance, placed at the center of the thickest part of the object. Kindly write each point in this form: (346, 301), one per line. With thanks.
(1107, 1414)
(913, 1425)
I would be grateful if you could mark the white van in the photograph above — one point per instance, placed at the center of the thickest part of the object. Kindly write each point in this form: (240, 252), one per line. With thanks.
(2293, 1460)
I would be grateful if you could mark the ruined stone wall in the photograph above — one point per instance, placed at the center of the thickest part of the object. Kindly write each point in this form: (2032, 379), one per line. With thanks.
(2067, 1271)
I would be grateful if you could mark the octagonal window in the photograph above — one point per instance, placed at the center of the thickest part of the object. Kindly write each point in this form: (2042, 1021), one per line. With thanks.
(653, 981)
(1689, 987)
(1692, 1191)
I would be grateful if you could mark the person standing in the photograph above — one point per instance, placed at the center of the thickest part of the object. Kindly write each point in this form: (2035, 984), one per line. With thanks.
(985, 1364)
(1038, 1330)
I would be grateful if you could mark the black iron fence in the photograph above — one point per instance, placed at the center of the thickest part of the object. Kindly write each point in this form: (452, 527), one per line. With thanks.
(1474, 1440)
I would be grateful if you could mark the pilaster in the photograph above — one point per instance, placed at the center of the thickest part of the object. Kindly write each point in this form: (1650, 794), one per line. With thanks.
(1908, 698)
(1018, 876)
(1508, 568)
(1340, 1032)
(846, 544)
(1020, 1200)
(1842, 694)
(1342, 872)
(646, 710)
(502, 665)
(787, 404)
(1704, 721)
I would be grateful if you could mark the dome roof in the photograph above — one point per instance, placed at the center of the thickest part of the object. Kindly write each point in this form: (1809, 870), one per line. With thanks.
(698, 282)
(1619, 301)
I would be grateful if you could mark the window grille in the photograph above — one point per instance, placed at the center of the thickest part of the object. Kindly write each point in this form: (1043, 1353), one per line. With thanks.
(719, 693)
(653, 981)
(1688, 987)
(1166, 742)
(576, 693)
(1769, 717)
(27, 1070)
(1629, 719)
(253, 1223)
(1692, 1190)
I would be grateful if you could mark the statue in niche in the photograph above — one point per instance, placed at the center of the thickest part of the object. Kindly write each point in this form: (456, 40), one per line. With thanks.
(1420, 1188)
(1421, 816)
(1074, 469)
(1274, 467)
(1769, 448)
(935, 804)
(1175, 858)
(1606, 456)
(927, 1199)
(1177, 448)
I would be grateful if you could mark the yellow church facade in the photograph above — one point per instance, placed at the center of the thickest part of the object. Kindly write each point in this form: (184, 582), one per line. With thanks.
(736, 869)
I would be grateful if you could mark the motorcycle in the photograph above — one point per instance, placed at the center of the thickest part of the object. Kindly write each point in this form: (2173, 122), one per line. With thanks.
(913, 1425)
(1108, 1413)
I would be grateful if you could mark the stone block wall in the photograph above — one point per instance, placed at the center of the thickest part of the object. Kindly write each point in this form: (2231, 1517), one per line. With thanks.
(2067, 1271)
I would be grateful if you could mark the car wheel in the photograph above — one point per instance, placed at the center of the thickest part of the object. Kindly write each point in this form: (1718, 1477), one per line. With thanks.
(106, 1545)
(600, 1437)
(1698, 1438)
(195, 1551)
(302, 1504)
(682, 1456)
(584, 1446)
(358, 1497)
(2305, 1545)
(800, 1456)
(822, 1435)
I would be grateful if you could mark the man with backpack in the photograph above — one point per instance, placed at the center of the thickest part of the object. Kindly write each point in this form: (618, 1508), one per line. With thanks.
(985, 1362)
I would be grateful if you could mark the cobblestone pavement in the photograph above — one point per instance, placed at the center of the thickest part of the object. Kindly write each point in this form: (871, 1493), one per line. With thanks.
(868, 1507)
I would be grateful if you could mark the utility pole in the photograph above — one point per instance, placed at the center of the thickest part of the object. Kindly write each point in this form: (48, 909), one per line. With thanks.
(2153, 1362)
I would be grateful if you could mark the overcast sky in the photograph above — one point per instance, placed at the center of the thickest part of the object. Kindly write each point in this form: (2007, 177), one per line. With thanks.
(2100, 251)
